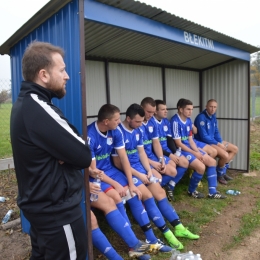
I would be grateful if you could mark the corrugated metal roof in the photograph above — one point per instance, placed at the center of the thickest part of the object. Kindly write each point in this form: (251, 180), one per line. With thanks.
(109, 42)
(170, 19)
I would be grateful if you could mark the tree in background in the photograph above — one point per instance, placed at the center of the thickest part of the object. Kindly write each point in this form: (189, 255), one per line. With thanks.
(4, 95)
(255, 69)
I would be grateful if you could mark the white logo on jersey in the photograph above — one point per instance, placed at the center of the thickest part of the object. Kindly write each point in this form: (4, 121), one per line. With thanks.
(165, 128)
(88, 138)
(202, 123)
(127, 141)
(188, 157)
(126, 224)
(99, 146)
(137, 137)
(135, 180)
(188, 128)
(150, 128)
(109, 140)
(208, 124)
(107, 249)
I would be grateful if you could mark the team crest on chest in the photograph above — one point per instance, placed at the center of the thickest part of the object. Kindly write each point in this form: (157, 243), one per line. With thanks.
(88, 138)
(150, 128)
(188, 128)
(208, 124)
(137, 137)
(165, 128)
(109, 140)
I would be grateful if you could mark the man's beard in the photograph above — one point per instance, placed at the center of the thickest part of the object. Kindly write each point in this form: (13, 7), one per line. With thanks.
(60, 93)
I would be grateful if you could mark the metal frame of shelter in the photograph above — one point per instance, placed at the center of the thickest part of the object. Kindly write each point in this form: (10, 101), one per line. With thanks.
(128, 32)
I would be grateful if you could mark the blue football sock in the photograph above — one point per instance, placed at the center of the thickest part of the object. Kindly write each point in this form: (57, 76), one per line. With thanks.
(165, 179)
(194, 181)
(212, 179)
(167, 210)
(176, 179)
(140, 215)
(122, 210)
(154, 213)
(180, 173)
(102, 244)
(122, 227)
(221, 171)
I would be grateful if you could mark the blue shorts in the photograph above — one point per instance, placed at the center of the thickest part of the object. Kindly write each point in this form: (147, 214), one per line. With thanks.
(154, 158)
(139, 167)
(199, 144)
(117, 176)
(190, 157)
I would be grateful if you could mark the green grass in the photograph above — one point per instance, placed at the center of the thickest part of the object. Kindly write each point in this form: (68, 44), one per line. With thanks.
(257, 106)
(5, 145)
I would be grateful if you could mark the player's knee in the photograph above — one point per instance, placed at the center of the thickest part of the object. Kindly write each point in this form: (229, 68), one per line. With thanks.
(213, 152)
(199, 167)
(170, 170)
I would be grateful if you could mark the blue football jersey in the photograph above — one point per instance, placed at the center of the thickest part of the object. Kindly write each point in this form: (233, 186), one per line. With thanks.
(180, 129)
(132, 140)
(163, 131)
(149, 131)
(102, 145)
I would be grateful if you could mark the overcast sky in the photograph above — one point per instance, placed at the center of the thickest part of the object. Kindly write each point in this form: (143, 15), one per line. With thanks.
(239, 19)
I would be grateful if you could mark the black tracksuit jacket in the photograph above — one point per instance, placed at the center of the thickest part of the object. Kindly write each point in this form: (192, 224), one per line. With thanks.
(49, 193)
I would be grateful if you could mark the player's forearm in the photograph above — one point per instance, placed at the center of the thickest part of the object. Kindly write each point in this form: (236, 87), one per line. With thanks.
(157, 148)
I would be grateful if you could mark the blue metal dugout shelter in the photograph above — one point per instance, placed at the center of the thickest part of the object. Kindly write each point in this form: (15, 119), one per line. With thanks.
(121, 51)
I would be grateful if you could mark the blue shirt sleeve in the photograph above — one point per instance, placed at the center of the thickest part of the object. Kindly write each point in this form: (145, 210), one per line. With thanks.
(201, 124)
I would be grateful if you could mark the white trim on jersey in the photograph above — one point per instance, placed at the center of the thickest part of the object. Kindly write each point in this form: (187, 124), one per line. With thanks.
(56, 117)
(71, 242)
(175, 130)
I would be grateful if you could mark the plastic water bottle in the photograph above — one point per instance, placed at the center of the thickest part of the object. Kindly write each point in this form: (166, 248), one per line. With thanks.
(175, 254)
(160, 160)
(94, 197)
(233, 192)
(154, 179)
(7, 216)
(178, 152)
(2, 199)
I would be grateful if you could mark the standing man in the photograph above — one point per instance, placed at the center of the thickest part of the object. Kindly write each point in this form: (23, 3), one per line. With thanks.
(48, 155)
(207, 125)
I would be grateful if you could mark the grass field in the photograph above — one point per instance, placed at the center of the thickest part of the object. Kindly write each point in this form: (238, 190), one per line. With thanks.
(257, 106)
(5, 145)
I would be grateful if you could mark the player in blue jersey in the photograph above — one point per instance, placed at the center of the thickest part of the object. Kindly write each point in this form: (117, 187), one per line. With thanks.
(168, 145)
(103, 137)
(181, 127)
(142, 173)
(118, 223)
(152, 145)
(207, 125)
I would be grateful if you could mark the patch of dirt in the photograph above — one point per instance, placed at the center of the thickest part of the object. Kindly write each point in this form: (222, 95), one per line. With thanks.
(220, 232)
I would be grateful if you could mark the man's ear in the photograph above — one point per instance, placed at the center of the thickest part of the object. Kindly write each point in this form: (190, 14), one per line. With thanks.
(43, 75)
(105, 121)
